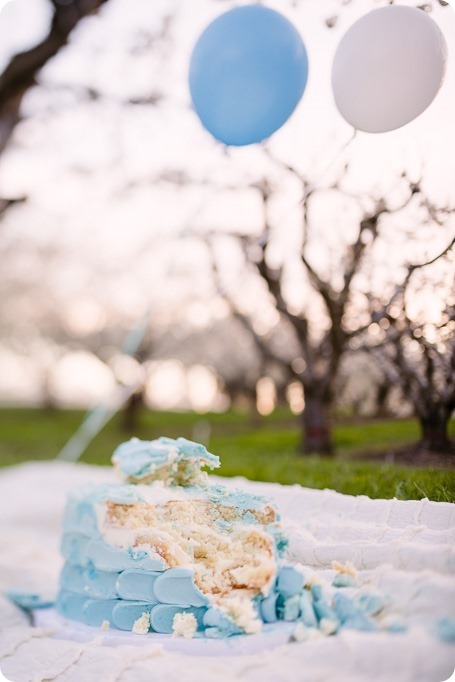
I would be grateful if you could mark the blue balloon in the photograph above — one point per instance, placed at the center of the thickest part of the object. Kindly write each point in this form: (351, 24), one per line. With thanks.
(248, 71)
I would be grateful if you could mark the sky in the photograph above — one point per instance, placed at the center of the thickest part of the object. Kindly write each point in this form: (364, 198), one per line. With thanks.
(92, 169)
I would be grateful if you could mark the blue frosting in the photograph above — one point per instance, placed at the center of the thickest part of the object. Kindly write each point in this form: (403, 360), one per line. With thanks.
(289, 581)
(281, 541)
(125, 613)
(28, 601)
(268, 608)
(350, 615)
(89, 582)
(162, 616)
(176, 586)
(95, 611)
(163, 594)
(100, 584)
(81, 550)
(307, 614)
(80, 508)
(445, 629)
(71, 605)
(372, 604)
(397, 626)
(240, 499)
(218, 625)
(140, 458)
(288, 608)
(344, 580)
(322, 609)
(72, 578)
(137, 584)
(74, 548)
(108, 558)
(122, 613)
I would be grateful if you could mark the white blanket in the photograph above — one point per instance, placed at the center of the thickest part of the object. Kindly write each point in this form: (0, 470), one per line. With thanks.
(402, 550)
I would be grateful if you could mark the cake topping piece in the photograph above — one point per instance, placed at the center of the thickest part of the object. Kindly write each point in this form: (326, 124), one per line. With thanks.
(176, 462)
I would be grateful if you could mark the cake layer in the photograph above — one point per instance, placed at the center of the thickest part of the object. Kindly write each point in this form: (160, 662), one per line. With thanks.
(230, 539)
(174, 461)
(82, 550)
(173, 586)
(227, 505)
(122, 614)
(93, 597)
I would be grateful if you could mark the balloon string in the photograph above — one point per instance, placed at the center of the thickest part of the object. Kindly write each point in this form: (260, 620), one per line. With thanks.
(99, 415)
(311, 186)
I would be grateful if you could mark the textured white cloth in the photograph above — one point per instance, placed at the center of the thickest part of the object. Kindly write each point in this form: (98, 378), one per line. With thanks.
(403, 550)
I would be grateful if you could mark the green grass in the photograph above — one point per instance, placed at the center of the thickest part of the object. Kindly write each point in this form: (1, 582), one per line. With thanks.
(258, 448)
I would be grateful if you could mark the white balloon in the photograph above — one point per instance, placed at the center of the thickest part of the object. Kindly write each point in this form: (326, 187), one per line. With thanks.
(388, 68)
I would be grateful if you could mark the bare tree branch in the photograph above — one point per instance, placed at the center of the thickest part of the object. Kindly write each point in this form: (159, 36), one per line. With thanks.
(6, 204)
(21, 72)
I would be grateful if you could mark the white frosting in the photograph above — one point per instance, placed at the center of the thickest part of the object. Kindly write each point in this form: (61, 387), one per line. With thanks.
(158, 493)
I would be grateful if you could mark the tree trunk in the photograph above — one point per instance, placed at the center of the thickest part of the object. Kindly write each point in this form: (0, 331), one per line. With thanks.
(383, 390)
(317, 436)
(434, 427)
(132, 412)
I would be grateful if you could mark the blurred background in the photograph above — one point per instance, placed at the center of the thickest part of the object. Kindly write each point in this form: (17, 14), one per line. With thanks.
(291, 304)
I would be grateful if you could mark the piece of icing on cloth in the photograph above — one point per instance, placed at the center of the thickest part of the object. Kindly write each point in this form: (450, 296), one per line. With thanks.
(347, 568)
(444, 629)
(174, 461)
(346, 574)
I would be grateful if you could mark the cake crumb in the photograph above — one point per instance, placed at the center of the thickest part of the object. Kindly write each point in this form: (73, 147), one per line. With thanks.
(184, 625)
(243, 615)
(300, 568)
(311, 577)
(347, 568)
(142, 625)
(328, 626)
(301, 633)
(105, 625)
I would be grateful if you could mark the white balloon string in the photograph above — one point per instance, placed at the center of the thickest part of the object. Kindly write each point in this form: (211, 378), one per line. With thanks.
(97, 417)
(311, 186)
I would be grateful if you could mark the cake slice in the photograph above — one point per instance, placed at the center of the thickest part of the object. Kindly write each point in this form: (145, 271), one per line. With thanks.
(166, 541)
(168, 551)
